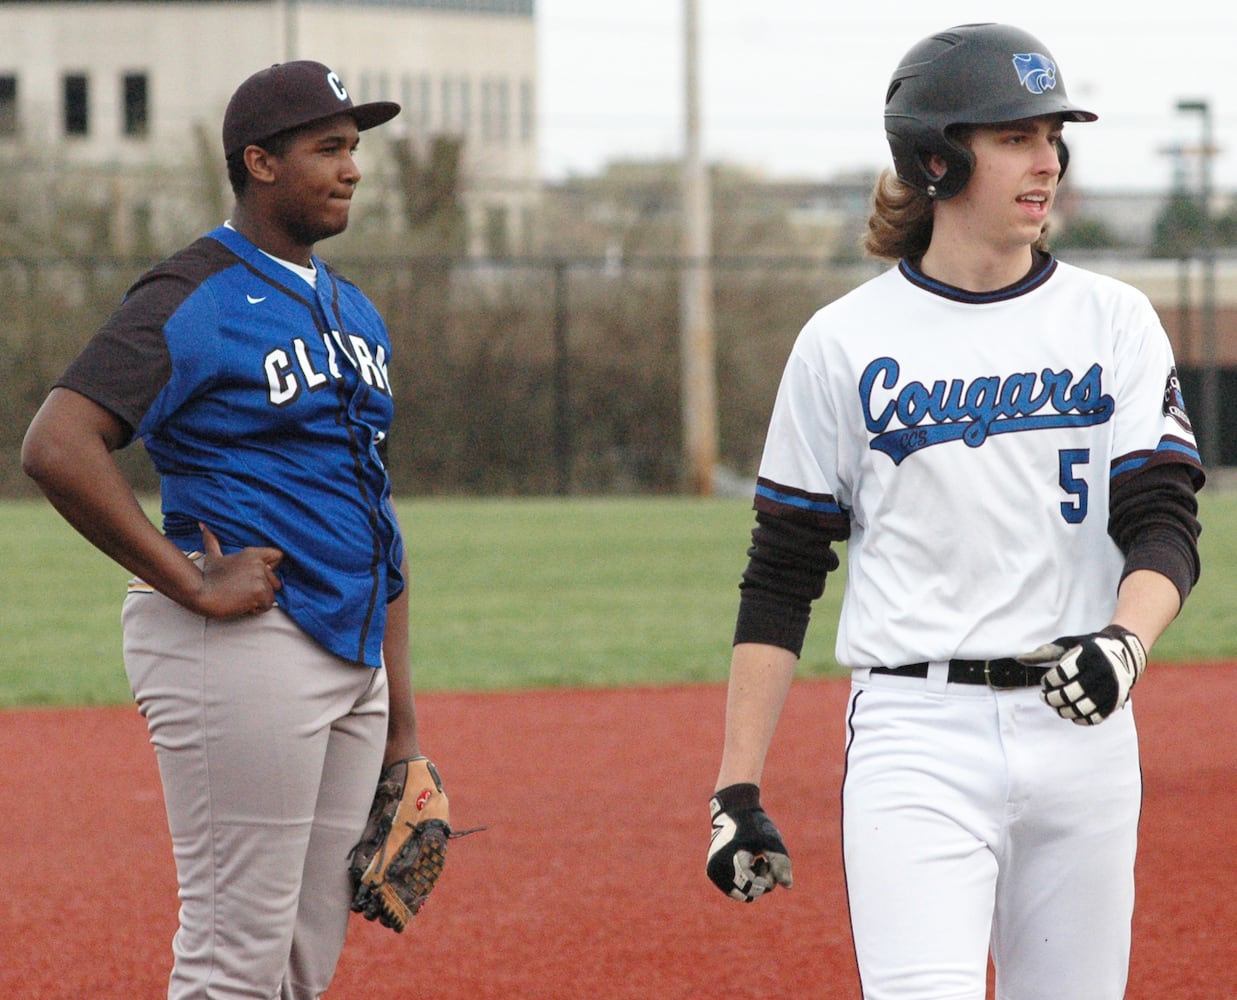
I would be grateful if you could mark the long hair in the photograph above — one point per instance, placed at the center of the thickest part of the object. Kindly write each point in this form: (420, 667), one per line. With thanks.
(900, 225)
(901, 221)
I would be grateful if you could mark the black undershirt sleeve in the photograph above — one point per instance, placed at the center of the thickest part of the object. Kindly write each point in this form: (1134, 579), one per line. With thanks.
(1153, 518)
(786, 569)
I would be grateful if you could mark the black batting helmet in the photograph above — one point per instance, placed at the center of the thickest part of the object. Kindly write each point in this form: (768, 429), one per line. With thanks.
(974, 74)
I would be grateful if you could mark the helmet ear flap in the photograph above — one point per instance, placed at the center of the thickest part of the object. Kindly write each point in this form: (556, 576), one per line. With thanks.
(959, 162)
(914, 145)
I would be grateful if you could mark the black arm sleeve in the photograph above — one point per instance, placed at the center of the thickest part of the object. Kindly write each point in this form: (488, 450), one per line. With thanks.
(1153, 518)
(786, 569)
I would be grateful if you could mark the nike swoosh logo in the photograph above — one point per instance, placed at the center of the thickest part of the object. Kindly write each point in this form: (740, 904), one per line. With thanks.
(253, 301)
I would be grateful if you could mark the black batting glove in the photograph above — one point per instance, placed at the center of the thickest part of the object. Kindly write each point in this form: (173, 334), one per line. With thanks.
(1093, 674)
(746, 855)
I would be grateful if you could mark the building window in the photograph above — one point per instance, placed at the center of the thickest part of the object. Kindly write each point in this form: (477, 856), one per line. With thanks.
(448, 104)
(492, 110)
(415, 95)
(427, 102)
(497, 232)
(456, 105)
(528, 112)
(142, 228)
(76, 104)
(136, 92)
(465, 106)
(8, 105)
(502, 111)
(407, 99)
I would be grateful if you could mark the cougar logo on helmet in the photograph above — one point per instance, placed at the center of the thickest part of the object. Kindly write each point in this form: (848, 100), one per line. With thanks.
(1036, 72)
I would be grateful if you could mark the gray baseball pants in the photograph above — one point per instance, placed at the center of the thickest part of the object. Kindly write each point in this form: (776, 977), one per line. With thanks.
(269, 749)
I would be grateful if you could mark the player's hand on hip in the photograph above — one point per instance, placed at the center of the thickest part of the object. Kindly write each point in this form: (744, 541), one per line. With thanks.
(1092, 674)
(240, 583)
(746, 855)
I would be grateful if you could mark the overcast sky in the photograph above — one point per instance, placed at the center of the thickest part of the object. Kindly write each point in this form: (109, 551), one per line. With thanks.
(795, 87)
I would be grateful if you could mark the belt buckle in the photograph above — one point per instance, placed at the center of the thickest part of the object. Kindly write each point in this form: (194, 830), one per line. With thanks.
(989, 682)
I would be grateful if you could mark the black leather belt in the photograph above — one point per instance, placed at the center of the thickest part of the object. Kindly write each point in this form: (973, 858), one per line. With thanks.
(1002, 673)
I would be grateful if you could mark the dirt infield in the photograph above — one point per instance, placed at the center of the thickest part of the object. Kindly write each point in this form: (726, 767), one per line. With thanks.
(589, 881)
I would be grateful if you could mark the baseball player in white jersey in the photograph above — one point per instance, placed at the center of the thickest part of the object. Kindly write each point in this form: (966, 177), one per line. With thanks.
(1000, 439)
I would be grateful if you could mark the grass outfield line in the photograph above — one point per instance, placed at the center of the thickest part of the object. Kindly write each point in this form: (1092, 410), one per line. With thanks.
(510, 593)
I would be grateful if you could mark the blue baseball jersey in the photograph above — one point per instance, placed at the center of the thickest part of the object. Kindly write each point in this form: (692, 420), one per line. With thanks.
(264, 403)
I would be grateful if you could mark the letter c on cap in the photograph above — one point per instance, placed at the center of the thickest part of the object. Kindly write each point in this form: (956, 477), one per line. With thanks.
(333, 79)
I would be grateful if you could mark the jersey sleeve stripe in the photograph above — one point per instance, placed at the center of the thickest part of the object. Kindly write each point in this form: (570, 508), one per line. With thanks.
(798, 505)
(1169, 450)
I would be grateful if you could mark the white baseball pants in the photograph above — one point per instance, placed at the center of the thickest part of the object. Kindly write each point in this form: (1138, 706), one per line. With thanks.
(976, 819)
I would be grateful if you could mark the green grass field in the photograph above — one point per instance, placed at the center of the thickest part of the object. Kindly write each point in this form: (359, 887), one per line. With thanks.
(509, 594)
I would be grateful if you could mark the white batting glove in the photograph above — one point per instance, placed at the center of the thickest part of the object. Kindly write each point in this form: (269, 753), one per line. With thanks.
(1093, 674)
(746, 855)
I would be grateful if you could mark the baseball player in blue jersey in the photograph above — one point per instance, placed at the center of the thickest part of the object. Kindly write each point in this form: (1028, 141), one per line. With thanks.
(1000, 440)
(266, 626)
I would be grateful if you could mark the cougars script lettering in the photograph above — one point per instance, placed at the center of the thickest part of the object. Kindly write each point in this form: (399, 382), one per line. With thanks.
(909, 417)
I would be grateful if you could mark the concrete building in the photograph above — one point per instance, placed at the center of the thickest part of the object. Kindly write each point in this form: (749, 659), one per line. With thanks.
(134, 92)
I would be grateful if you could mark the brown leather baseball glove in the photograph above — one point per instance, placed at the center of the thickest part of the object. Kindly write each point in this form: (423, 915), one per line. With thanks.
(401, 854)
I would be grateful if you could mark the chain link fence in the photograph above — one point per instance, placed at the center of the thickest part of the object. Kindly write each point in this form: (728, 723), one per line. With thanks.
(519, 376)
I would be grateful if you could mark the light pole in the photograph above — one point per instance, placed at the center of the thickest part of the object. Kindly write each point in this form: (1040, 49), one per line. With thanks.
(1209, 423)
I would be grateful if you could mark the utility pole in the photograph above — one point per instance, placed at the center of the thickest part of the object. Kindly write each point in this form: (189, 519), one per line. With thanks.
(697, 344)
(289, 30)
(1209, 424)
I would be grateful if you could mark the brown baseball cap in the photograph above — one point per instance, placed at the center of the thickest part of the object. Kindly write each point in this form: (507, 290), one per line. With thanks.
(289, 95)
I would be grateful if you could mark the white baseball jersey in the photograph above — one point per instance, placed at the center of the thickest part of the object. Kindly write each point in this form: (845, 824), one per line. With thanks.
(971, 440)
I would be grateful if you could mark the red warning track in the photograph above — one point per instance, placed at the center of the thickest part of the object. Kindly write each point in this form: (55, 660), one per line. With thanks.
(589, 881)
